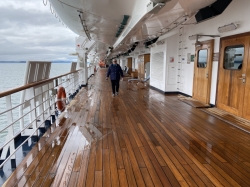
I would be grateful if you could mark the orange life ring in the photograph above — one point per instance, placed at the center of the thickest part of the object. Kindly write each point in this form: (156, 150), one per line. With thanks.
(61, 99)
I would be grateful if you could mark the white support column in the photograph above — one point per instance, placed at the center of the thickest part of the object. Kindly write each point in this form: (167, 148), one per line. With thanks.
(46, 97)
(33, 113)
(92, 70)
(85, 69)
(10, 134)
(52, 97)
(40, 101)
(75, 81)
(60, 81)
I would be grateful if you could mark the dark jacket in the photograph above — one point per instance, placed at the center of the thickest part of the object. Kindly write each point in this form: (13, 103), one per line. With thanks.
(115, 71)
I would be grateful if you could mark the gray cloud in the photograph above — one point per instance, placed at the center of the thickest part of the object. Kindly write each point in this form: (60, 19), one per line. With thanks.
(29, 30)
(21, 17)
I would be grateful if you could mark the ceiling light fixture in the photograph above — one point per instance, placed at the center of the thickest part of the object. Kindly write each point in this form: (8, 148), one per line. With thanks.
(197, 36)
(229, 27)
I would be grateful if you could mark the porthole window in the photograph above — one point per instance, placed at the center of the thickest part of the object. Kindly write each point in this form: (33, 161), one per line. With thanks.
(202, 58)
(233, 57)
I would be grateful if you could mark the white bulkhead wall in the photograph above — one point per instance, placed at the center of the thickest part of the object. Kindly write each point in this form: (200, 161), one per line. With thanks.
(163, 75)
(158, 66)
(236, 12)
(171, 63)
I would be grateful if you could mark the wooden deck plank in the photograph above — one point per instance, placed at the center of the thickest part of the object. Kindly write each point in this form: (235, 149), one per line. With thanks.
(73, 179)
(106, 168)
(84, 166)
(146, 177)
(128, 168)
(90, 179)
(152, 146)
(152, 171)
(135, 167)
(139, 138)
(48, 181)
(122, 178)
(70, 164)
(98, 179)
(205, 171)
(113, 162)
(99, 162)
(65, 155)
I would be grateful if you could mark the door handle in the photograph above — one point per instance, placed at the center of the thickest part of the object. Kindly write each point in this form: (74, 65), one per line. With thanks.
(207, 75)
(243, 79)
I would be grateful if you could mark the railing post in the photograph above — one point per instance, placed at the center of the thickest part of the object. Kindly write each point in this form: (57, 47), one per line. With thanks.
(86, 75)
(40, 101)
(60, 81)
(10, 134)
(75, 81)
(46, 97)
(33, 112)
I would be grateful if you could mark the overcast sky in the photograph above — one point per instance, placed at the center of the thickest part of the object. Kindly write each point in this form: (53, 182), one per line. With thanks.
(28, 31)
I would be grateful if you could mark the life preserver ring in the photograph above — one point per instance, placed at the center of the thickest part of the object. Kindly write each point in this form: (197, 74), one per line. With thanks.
(61, 99)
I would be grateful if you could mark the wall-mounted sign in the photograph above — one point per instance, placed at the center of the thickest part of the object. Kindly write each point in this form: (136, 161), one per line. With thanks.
(215, 56)
(171, 59)
(192, 58)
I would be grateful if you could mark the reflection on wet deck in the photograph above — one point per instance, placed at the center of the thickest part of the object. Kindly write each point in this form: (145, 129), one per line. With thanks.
(139, 138)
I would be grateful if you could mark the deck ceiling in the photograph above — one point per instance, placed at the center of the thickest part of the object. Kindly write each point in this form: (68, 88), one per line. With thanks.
(103, 18)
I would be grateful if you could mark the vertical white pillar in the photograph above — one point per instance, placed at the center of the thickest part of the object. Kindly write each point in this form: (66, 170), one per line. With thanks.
(33, 112)
(10, 130)
(85, 69)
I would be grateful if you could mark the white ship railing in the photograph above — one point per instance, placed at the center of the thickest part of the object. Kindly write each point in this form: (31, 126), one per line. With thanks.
(42, 107)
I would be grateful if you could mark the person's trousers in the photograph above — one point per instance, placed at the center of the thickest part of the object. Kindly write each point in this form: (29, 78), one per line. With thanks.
(115, 85)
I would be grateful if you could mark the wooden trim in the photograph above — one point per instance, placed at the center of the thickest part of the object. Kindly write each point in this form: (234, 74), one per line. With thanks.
(20, 88)
(234, 36)
(218, 72)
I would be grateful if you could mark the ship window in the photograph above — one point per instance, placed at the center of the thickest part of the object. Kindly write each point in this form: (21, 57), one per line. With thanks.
(233, 57)
(202, 58)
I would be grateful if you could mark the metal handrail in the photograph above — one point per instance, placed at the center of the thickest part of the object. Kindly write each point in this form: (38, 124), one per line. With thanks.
(19, 145)
(74, 83)
(30, 99)
(24, 116)
(27, 126)
(21, 88)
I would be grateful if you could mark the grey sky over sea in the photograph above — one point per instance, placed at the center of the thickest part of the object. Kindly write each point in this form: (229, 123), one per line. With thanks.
(28, 31)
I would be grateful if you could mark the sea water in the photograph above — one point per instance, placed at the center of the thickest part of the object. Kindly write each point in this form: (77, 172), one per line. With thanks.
(12, 76)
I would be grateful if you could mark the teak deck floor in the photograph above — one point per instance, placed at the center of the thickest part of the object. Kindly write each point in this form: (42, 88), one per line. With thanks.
(139, 138)
(193, 102)
(236, 121)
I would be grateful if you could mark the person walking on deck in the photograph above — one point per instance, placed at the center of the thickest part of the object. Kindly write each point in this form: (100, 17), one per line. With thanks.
(115, 72)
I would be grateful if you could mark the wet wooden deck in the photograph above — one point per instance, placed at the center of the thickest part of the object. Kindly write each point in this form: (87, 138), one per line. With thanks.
(139, 138)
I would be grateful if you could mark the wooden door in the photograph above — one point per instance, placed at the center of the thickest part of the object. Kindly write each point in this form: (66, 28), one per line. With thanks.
(129, 64)
(203, 71)
(233, 93)
(146, 59)
(142, 60)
